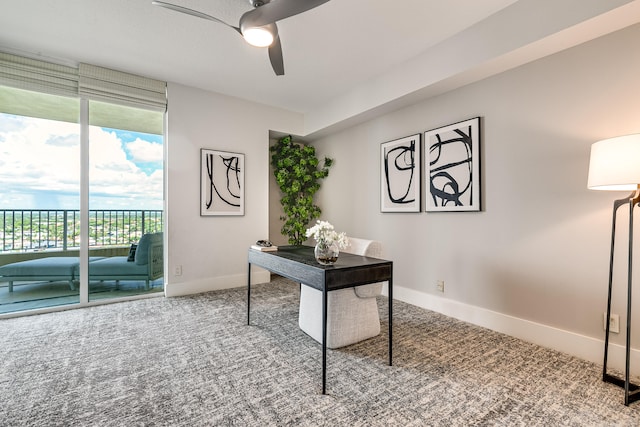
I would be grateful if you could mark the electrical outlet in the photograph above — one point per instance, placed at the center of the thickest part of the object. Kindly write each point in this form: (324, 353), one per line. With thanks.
(614, 323)
(440, 285)
(177, 270)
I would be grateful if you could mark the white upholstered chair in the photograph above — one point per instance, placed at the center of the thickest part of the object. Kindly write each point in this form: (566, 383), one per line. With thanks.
(352, 313)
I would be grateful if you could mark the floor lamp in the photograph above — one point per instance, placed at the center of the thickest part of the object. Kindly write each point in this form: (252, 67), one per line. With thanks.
(615, 166)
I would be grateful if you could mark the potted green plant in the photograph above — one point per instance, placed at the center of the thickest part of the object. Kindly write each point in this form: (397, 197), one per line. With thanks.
(298, 172)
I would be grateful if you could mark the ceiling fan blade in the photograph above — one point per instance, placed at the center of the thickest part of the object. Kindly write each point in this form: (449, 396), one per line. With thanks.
(192, 12)
(277, 10)
(275, 56)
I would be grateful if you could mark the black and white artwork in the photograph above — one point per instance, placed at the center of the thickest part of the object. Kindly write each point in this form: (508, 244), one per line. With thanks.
(452, 162)
(400, 175)
(221, 183)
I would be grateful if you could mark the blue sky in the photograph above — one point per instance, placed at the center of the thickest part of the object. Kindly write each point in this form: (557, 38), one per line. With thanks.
(147, 165)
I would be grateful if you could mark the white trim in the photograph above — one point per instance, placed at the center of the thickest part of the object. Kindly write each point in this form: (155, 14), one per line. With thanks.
(84, 201)
(581, 346)
(215, 283)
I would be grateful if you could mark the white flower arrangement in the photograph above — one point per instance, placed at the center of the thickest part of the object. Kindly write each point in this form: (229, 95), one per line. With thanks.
(324, 233)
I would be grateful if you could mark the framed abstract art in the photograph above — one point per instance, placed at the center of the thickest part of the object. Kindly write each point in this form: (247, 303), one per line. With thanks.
(400, 175)
(452, 162)
(221, 183)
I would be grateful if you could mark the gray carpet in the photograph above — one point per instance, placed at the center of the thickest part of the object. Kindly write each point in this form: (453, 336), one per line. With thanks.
(193, 361)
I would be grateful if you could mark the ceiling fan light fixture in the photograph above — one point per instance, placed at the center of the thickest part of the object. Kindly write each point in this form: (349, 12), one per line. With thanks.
(258, 36)
(258, 26)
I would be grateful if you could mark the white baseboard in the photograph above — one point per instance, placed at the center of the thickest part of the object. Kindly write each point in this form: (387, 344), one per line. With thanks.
(214, 283)
(581, 346)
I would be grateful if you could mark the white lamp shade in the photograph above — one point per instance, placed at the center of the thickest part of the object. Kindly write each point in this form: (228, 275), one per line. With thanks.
(615, 164)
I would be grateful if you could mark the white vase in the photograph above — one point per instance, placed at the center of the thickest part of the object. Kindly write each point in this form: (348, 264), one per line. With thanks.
(326, 253)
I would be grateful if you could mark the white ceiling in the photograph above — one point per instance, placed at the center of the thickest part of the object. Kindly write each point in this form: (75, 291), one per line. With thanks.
(343, 59)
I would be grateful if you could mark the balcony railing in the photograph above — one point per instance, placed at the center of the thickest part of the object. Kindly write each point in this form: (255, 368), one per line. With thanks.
(48, 229)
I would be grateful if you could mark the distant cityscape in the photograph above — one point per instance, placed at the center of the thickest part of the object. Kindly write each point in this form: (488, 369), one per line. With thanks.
(39, 230)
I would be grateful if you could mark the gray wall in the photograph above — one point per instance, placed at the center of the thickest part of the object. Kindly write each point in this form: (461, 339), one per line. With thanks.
(534, 262)
(212, 250)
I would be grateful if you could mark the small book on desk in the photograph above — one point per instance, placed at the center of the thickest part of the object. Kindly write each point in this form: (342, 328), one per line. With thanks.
(264, 248)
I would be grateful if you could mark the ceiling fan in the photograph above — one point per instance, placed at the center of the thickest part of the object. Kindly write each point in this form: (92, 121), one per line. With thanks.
(258, 26)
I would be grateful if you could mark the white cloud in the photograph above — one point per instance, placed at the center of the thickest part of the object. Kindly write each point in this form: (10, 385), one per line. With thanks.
(31, 162)
(145, 151)
(44, 156)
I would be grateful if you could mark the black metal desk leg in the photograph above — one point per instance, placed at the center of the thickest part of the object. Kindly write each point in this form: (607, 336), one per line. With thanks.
(390, 321)
(324, 340)
(249, 295)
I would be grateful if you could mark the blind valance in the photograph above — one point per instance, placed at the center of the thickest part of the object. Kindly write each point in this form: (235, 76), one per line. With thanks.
(33, 74)
(104, 84)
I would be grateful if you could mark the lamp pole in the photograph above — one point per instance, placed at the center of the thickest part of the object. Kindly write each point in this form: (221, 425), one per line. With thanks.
(631, 391)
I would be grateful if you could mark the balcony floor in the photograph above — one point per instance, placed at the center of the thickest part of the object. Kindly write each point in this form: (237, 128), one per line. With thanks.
(35, 295)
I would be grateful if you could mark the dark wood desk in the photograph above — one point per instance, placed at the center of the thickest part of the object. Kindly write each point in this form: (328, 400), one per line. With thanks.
(299, 264)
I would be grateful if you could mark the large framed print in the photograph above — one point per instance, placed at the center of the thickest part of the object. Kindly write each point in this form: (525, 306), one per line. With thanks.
(400, 175)
(221, 183)
(452, 163)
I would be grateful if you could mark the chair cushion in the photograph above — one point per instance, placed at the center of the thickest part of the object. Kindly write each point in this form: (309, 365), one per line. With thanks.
(144, 245)
(364, 247)
(352, 313)
(349, 319)
(369, 248)
(116, 266)
(63, 266)
(368, 291)
(50, 266)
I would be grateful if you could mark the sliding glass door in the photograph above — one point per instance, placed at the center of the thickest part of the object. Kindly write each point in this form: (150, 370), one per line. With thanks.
(126, 158)
(39, 200)
(45, 162)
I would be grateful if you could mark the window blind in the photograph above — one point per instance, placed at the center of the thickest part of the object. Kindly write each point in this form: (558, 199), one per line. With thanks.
(86, 81)
(33, 74)
(104, 84)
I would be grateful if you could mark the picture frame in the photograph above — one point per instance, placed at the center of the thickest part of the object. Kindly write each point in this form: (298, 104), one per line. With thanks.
(452, 167)
(221, 183)
(401, 174)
